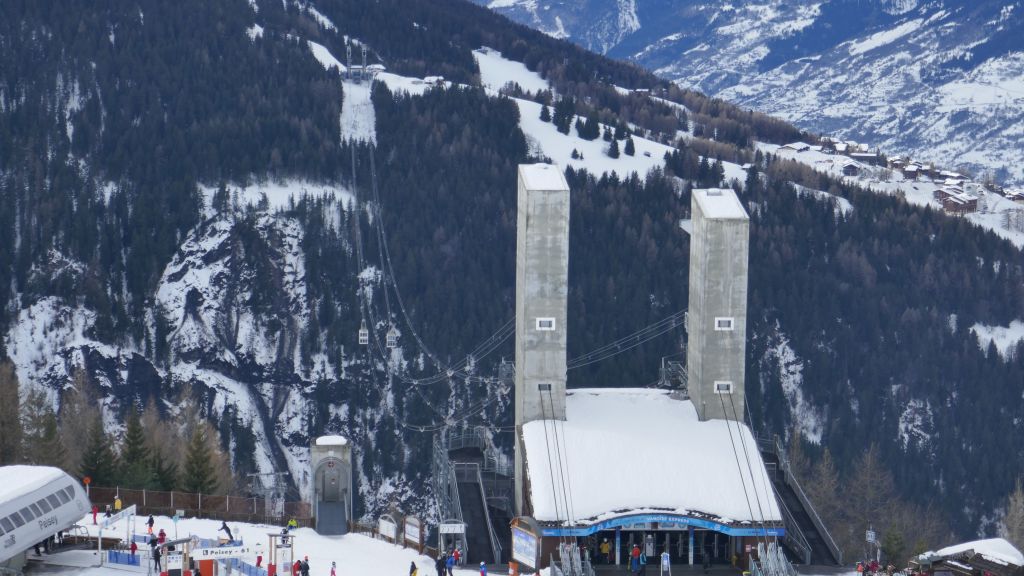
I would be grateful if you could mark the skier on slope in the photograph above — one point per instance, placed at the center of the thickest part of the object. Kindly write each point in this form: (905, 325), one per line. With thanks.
(226, 530)
(412, 569)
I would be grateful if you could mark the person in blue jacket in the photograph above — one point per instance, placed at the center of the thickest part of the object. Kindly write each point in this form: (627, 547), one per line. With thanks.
(449, 563)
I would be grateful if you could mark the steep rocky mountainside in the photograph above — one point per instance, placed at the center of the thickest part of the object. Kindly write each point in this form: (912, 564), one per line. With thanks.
(187, 202)
(939, 80)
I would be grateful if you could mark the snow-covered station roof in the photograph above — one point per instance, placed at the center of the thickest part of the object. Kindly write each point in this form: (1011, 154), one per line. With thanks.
(633, 451)
(995, 550)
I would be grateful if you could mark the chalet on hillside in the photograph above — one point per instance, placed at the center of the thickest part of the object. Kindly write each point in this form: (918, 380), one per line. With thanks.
(796, 146)
(911, 171)
(869, 158)
(959, 204)
(851, 168)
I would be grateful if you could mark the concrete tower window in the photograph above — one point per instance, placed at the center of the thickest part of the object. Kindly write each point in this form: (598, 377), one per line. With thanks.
(723, 387)
(724, 323)
(546, 324)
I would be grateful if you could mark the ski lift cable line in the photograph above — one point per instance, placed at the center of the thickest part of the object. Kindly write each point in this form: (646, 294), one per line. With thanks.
(736, 455)
(750, 468)
(579, 363)
(669, 322)
(391, 279)
(563, 468)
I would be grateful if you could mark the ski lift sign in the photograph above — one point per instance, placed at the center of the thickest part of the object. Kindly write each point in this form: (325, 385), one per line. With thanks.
(870, 536)
(524, 547)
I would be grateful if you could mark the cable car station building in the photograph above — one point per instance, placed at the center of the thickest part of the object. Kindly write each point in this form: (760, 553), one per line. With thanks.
(671, 471)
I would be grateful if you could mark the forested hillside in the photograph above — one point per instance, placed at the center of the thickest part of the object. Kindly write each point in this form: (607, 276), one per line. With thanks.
(140, 270)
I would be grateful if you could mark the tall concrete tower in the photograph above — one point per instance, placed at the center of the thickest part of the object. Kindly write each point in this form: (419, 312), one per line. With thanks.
(542, 291)
(717, 325)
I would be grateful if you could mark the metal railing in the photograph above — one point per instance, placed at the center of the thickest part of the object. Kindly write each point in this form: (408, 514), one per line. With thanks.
(495, 545)
(771, 561)
(446, 489)
(792, 481)
(794, 535)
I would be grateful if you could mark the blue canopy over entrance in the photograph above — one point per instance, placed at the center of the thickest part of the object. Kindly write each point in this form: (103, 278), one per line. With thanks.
(666, 521)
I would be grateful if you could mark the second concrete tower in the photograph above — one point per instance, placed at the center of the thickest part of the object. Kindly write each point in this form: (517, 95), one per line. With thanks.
(542, 292)
(717, 324)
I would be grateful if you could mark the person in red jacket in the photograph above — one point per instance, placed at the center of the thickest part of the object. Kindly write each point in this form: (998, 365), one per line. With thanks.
(296, 567)
(133, 547)
(95, 511)
(161, 537)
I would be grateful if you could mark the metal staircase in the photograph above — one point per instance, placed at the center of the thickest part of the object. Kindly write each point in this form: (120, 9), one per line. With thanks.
(807, 538)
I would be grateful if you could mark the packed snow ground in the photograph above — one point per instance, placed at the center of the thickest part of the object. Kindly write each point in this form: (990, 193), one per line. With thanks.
(280, 195)
(1005, 338)
(324, 57)
(497, 71)
(614, 441)
(358, 118)
(353, 553)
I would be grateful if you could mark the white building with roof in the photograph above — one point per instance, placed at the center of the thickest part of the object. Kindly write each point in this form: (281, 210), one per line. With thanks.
(635, 465)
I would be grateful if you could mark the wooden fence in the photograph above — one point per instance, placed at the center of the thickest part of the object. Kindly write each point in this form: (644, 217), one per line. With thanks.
(233, 508)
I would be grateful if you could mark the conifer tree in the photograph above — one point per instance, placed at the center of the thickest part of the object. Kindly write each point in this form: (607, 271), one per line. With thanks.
(77, 413)
(581, 127)
(630, 148)
(545, 114)
(613, 149)
(607, 134)
(10, 418)
(42, 443)
(1013, 522)
(575, 154)
(199, 475)
(99, 461)
(162, 442)
(137, 471)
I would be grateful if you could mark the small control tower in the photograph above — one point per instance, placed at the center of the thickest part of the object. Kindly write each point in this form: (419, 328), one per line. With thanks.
(331, 462)
(717, 326)
(542, 292)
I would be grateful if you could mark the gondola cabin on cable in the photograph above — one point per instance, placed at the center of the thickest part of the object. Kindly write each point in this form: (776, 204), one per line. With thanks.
(392, 338)
(364, 334)
(36, 502)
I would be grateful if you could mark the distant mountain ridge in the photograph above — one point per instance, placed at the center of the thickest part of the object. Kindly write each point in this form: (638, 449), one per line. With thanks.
(938, 80)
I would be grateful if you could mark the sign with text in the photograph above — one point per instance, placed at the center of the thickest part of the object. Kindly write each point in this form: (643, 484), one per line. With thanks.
(221, 552)
(524, 547)
(129, 511)
(412, 530)
(663, 519)
(452, 528)
(174, 561)
(387, 528)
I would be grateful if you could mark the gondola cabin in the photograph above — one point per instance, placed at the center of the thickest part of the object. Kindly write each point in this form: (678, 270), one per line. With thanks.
(364, 335)
(36, 502)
